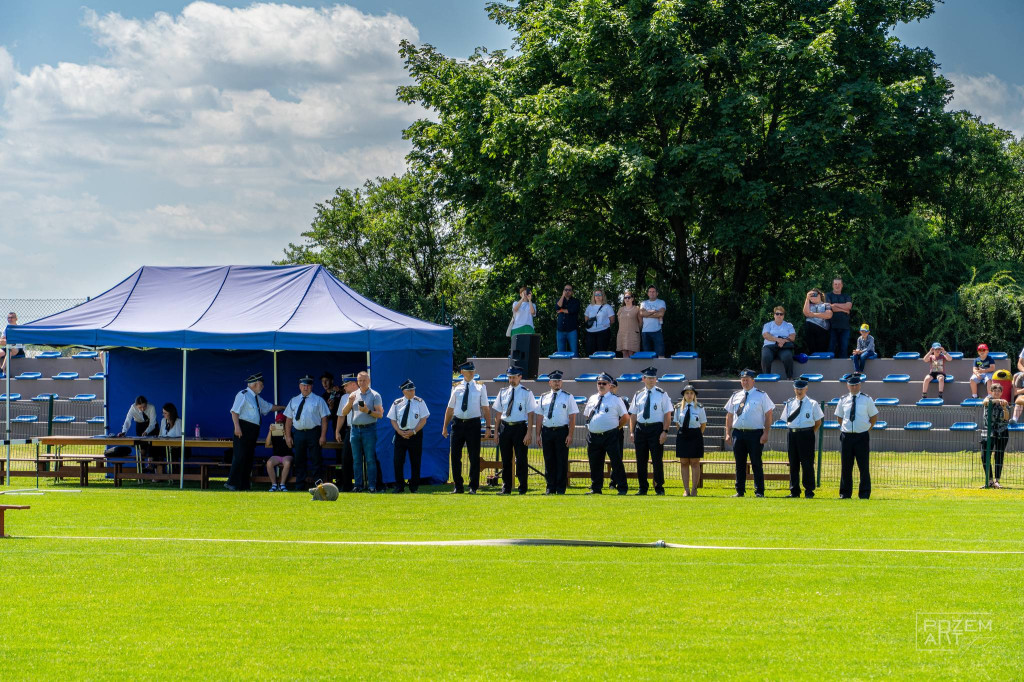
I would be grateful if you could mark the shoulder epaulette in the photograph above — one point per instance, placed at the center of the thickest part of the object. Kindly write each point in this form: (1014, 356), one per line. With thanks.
(398, 401)
(417, 398)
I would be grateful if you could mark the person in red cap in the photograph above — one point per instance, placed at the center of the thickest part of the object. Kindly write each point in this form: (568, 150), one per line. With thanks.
(984, 366)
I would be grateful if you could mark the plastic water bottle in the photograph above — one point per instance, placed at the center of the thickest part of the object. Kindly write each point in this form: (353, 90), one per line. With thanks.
(197, 430)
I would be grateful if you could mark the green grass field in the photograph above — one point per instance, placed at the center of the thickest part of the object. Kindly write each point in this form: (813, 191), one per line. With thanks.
(149, 582)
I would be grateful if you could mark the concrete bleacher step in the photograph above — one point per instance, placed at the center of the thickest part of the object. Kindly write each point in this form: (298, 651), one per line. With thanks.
(488, 368)
(833, 369)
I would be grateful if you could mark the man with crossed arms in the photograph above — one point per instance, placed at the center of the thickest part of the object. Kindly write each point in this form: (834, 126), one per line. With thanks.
(650, 414)
(748, 419)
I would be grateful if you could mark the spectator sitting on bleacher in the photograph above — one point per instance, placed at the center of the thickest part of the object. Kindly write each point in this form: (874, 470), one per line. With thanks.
(1017, 396)
(936, 359)
(12, 319)
(778, 342)
(984, 367)
(281, 457)
(865, 349)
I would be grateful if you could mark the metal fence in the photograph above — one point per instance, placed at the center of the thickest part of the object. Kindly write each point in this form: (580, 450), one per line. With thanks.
(32, 309)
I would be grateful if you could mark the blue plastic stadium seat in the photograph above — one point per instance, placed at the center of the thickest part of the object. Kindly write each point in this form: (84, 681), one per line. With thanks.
(644, 355)
(49, 354)
(673, 377)
(685, 355)
(833, 402)
(580, 400)
(94, 420)
(956, 355)
(780, 424)
(65, 376)
(880, 426)
(631, 377)
(1016, 427)
(25, 419)
(64, 419)
(12, 396)
(562, 355)
(918, 426)
(86, 355)
(971, 402)
(29, 375)
(84, 397)
(812, 377)
(964, 426)
(767, 377)
(950, 378)
(542, 377)
(824, 355)
(863, 377)
(45, 397)
(603, 355)
(896, 378)
(997, 355)
(587, 377)
(98, 376)
(501, 377)
(907, 355)
(491, 399)
(887, 401)
(830, 424)
(930, 402)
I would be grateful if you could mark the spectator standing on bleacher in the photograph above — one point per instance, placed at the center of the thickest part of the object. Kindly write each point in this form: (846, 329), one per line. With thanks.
(650, 415)
(839, 324)
(627, 340)
(342, 434)
(281, 455)
(16, 350)
(599, 319)
(305, 432)
(984, 367)
(692, 420)
(366, 407)
(817, 314)
(778, 338)
(652, 314)
(567, 321)
(143, 415)
(408, 416)
(605, 414)
(247, 412)
(523, 312)
(467, 403)
(857, 414)
(865, 349)
(748, 418)
(513, 414)
(993, 441)
(556, 422)
(803, 417)
(936, 358)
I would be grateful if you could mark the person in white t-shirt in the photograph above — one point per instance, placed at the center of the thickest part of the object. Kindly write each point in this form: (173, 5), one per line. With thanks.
(523, 312)
(652, 315)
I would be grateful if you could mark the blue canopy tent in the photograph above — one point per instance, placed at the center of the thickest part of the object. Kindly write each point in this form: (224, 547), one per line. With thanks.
(224, 319)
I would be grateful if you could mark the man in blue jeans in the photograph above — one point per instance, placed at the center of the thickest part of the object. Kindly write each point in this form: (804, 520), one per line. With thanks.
(568, 321)
(366, 408)
(839, 325)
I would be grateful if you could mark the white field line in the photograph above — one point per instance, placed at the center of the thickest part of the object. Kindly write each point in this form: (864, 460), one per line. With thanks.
(508, 542)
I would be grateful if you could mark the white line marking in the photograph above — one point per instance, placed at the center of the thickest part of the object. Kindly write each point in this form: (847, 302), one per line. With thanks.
(509, 542)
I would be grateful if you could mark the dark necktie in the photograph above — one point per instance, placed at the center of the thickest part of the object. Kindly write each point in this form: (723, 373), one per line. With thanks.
(256, 402)
(743, 403)
(298, 412)
(796, 413)
(853, 408)
(510, 405)
(647, 406)
(686, 417)
(596, 409)
(551, 407)
(405, 413)
(465, 399)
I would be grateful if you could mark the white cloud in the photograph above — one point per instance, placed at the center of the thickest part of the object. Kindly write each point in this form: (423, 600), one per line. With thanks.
(988, 96)
(201, 137)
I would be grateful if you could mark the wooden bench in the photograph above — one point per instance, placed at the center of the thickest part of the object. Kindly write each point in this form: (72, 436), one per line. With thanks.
(4, 508)
(167, 474)
(731, 474)
(77, 466)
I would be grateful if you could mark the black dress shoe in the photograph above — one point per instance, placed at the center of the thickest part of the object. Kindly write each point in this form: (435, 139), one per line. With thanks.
(505, 492)
(396, 491)
(793, 495)
(659, 492)
(561, 492)
(228, 486)
(758, 494)
(549, 492)
(640, 492)
(844, 497)
(738, 495)
(457, 491)
(357, 489)
(472, 491)
(808, 495)
(523, 491)
(593, 492)
(625, 492)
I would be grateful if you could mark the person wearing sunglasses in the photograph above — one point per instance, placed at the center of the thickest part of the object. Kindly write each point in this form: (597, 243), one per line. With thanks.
(600, 316)
(627, 341)
(567, 321)
(778, 342)
(604, 414)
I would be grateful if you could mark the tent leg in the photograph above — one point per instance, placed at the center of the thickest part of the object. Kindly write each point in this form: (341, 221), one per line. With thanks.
(275, 377)
(184, 385)
(7, 379)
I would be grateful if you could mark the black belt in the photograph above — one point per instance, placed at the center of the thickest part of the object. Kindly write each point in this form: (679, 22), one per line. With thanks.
(514, 423)
(601, 433)
(468, 420)
(647, 424)
(750, 430)
(362, 426)
(554, 428)
(802, 430)
(312, 428)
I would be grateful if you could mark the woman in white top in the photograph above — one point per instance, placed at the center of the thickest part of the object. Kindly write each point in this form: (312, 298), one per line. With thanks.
(523, 312)
(599, 317)
(691, 418)
(778, 342)
(170, 425)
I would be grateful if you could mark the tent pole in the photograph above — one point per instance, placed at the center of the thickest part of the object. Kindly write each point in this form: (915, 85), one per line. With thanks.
(106, 364)
(7, 379)
(275, 377)
(184, 383)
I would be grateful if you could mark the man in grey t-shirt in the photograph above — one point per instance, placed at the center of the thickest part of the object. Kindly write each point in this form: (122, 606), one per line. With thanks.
(652, 315)
(366, 407)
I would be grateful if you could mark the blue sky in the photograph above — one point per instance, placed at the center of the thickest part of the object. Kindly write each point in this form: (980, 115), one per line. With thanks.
(172, 133)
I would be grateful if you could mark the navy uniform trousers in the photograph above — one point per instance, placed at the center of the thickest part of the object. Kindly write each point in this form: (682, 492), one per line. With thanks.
(855, 447)
(801, 457)
(242, 451)
(598, 446)
(510, 443)
(466, 432)
(647, 442)
(747, 443)
(413, 446)
(556, 458)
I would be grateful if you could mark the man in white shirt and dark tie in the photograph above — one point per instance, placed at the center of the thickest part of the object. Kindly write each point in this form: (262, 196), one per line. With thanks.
(305, 431)
(748, 418)
(513, 413)
(556, 422)
(650, 414)
(467, 403)
(803, 417)
(857, 414)
(605, 414)
(246, 413)
(408, 416)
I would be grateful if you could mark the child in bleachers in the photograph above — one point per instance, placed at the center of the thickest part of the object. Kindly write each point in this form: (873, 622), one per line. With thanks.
(984, 366)
(865, 349)
(936, 359)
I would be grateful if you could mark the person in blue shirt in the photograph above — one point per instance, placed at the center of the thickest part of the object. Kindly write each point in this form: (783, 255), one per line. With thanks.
(778, 338)
(247, 412)
(568, 320)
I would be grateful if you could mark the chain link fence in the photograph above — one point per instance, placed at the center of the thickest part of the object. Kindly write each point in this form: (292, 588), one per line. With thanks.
(32, 309)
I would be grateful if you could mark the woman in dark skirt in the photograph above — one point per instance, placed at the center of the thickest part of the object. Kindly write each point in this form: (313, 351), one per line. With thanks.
(692, 420)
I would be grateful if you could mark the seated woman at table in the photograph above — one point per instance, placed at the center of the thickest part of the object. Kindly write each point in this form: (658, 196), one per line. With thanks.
(282, 456)
(146, 425)
(170, 425)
